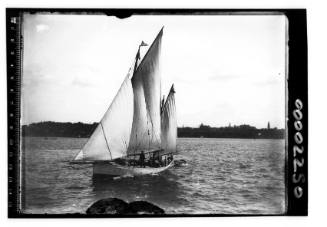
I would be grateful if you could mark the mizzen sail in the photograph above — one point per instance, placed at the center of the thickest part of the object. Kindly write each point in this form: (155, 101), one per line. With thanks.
(146, 81)
(169, 123)
(111, 137)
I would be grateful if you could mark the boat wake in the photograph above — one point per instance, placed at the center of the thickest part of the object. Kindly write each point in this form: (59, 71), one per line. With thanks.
(123, 177)
(180, 163)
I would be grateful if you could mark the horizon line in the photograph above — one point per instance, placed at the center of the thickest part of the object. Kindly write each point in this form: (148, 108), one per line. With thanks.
(183, 126)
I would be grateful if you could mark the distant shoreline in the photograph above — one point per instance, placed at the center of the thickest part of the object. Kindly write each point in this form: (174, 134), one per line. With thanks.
(82, 130)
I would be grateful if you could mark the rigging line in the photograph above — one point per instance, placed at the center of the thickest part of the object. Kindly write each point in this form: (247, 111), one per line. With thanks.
(104, 134)
(137, 145)
(81, 151)
(149, 116)
(124, 142)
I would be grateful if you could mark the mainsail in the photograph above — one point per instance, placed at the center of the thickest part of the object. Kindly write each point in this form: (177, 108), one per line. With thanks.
(169, 123)
(145, 134)
(111, 137)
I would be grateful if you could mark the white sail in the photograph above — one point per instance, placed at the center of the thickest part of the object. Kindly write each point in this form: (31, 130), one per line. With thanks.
(111, 137)
(169, 123)
(146, 86)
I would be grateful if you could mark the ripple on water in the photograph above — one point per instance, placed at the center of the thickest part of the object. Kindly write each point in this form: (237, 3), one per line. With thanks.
(224, 176)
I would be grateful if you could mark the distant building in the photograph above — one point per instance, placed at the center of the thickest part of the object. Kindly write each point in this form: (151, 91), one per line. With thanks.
(268, 126)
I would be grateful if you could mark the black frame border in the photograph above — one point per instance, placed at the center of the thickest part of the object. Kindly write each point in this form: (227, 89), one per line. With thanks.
(296, 162)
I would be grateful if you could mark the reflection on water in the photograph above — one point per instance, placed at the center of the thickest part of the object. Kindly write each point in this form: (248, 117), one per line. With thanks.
(221, 176)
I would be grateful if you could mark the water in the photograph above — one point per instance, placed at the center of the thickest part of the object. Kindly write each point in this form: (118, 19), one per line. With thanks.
(221, 176)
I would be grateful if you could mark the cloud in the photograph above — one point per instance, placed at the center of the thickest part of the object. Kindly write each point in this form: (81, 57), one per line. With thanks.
(81, 83)
(223, 77)
(273, 81)
(42, 27)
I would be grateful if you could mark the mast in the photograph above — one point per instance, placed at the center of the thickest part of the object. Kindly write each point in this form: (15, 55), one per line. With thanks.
(138, 55)
(156, 41)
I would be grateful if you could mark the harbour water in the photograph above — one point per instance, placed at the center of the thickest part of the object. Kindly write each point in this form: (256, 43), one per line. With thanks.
(220, 176)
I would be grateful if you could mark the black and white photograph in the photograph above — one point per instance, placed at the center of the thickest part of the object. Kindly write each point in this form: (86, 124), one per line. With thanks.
(154, 114)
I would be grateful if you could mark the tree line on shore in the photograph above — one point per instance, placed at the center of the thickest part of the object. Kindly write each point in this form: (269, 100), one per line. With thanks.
(84, 130)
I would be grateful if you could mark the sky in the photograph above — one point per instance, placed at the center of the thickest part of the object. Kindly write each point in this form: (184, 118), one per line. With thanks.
(226, 69)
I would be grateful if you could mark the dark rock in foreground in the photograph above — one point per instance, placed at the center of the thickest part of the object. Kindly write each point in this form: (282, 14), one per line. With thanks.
(120, 207)
(144, 207)
(108, 206)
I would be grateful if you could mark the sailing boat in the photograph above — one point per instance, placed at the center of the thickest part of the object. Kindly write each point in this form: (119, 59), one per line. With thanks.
(137, 123)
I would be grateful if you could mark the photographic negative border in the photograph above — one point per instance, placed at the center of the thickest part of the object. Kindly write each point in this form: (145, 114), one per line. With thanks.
(296, 116)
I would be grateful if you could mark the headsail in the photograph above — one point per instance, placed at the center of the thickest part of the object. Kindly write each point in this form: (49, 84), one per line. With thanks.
(169, 123)
(145, 133)
(111, 137)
